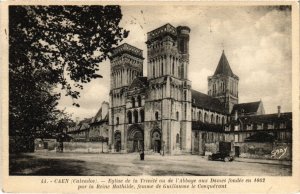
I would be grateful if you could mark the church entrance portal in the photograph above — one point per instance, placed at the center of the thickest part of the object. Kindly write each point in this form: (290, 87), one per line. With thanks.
(118, 141)
(156, 141)
(138, 141)
(135, 141)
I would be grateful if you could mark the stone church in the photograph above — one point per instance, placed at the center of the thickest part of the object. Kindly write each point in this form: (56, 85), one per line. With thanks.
(161, 112)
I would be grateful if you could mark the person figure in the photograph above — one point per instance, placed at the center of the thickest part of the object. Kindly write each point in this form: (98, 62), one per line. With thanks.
(142, 154)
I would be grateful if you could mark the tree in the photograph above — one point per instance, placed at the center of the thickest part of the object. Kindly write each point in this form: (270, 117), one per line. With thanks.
(57, 126)
(51, 48)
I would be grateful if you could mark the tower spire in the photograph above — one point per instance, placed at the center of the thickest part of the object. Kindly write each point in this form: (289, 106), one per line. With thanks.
(220, 87)
(223, 66)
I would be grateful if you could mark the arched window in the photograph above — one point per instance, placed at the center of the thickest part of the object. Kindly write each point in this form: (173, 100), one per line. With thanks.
(156, 115)
(133, 102)
(129, 117)
(214, 88)
(200, 116)
(205, 117)
(192, 114)
(153, 70)
(185, 95)
(136, 116)
(217, 120)
(139, 101)
(162, 68)
(117, 120)
(177, 116)
(223, 121)
(222, 86)
(212, 119)
(142, 115)
(173, 66)
(177, 138)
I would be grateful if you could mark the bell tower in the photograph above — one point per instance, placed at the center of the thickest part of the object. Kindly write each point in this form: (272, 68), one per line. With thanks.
(126, 64)
(223, 85)
(169, 95)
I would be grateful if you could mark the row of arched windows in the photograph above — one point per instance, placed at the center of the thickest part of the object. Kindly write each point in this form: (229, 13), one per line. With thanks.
(139, 101)
(139, 116)
(158, 63)
(157, 66)
(136, 116)
(216, 119)
(124, 76)
(217, 87)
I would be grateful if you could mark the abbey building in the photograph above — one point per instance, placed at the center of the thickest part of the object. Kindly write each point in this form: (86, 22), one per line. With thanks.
(158, 112)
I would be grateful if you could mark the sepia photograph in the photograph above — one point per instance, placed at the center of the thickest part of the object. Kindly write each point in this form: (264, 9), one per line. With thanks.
(140, 97)
(150, 90)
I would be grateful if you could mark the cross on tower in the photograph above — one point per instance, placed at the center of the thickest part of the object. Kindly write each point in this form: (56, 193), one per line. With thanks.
(222, 44)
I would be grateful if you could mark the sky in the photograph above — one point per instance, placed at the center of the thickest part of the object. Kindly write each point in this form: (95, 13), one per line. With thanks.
(256, 41)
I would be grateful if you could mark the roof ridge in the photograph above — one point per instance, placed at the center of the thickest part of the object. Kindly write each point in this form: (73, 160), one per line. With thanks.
(270, 114)
(248, 102)
(205, 101)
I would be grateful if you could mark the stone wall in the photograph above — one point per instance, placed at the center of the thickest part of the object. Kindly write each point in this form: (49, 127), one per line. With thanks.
(85, 147)
(278, 151)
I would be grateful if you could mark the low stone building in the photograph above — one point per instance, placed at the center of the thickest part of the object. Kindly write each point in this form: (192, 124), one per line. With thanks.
(259, 136)
(80, 132)
(250, 135)
(94, 129)
(98, 130)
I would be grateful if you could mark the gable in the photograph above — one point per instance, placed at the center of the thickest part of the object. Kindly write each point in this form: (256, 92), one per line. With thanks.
(248, 108)
(139, 82)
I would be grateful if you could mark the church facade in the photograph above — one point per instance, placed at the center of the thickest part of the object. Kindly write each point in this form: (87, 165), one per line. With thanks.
(161, 112)
(155, 113)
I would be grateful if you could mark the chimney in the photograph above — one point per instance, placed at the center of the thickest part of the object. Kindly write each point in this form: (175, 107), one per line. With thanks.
(236, 115)
(278, 107)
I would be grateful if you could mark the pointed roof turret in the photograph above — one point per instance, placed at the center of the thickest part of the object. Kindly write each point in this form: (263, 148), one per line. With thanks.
(223, 67)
